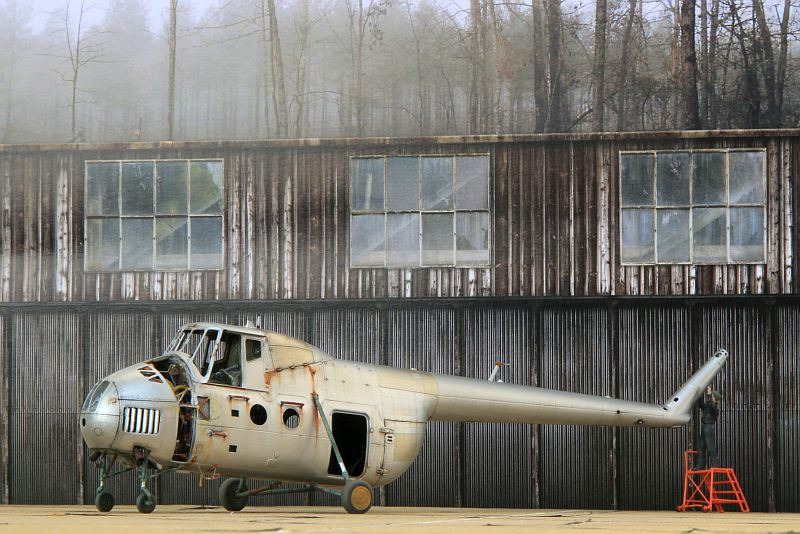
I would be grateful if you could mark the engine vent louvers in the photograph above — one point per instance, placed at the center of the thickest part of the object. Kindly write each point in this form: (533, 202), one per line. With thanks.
(141, 420)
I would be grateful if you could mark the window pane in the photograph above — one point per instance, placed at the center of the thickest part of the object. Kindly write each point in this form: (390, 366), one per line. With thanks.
(673, 236)
(172, 240)
(672, 179)
(367, 179)
(402, 232)
(102, 244)
(137, 188)
(472, 238)
(708, 178)
(206, 184)
(367, 241)
(472, 182)
(402, 184)
(102, 189)
(206, 243)
(637, 236)
(708, 228)
(437, 183)
(637, 179)
(437, 239)
(747, 234)
(171, 187)
(137, 244)
(746, 177)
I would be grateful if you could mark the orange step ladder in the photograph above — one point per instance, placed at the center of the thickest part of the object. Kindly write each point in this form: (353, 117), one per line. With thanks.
(710, 489)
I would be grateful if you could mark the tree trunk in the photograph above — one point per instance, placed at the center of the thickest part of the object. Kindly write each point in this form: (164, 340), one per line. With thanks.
(704, 61)
(690, 106)
(711, 88)
(540, 96)
(624, 66)
(752, 98)
(301, 69)
(281, 112)
(555, 115)
(598, 106)
(675, 91)
(266, 55)
(765, 47)
(784, 45)
(474, 97)
(497, 122)
(173, 43)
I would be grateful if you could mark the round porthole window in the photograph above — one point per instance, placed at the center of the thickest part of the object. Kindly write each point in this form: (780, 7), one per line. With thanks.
(258, 415)
(291, 418)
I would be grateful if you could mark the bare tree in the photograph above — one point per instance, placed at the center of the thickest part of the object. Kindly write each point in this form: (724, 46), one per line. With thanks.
(689, 85)
(475, 65)
(364, 31)
(540, 93)
(782, 55)
(624, 67)
(555, 116)
(173, 44)
(599, 73)
(303, 28)
(281, 110)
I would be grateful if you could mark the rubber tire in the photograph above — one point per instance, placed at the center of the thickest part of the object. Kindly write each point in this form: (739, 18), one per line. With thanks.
(357, 497)
(104, 501)
(145, 504)
(228, 498)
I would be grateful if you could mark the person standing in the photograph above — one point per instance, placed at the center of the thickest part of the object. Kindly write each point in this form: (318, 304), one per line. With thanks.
(709, 406)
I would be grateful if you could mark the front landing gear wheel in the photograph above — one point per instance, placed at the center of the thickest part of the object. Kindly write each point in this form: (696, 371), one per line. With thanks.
(357, 497)
(227, 494)
(104, 501)
(145, 503)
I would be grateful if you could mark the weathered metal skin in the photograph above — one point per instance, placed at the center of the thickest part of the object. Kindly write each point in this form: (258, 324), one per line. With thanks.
(264, 422)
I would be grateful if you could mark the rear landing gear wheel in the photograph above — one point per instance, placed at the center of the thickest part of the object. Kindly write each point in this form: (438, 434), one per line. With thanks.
(104, 501)
(357, 497)
(145, 503)
(227, 494)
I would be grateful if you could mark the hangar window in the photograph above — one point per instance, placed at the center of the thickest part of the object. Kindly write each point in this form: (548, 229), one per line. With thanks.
(693, 207)
(420, 211)
(163, 215)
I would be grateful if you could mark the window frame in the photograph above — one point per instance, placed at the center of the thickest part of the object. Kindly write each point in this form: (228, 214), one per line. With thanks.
(691, 205)
(420, 210)
(119, 217)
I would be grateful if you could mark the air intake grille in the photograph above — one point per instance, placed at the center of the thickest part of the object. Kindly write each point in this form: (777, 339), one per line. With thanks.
(141, 420)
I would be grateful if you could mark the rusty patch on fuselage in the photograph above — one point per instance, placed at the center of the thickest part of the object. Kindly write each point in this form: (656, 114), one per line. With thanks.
(268, 375)
(312, 374)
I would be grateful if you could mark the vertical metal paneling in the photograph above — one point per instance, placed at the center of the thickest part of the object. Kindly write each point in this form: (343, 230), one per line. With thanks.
(575, 460)
(746, 386)
(349, 334)
(787, 432)
(653, 363)
(4, 412)
(424, 339)
(498, 457)
(45, 398)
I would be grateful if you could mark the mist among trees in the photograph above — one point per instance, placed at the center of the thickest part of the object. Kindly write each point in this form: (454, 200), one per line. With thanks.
(257, 69)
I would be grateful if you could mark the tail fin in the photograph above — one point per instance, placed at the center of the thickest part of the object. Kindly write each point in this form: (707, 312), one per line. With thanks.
(683, 400)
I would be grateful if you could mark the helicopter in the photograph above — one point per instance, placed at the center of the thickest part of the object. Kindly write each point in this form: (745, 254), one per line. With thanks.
(249, 404)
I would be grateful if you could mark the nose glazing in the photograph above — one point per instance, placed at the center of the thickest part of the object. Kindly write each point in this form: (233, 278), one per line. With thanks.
(100, 416)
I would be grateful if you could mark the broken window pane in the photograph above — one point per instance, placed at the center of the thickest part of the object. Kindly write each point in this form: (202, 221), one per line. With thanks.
(172, 241)
(137, 188)
(637, 236)
(102, 244)
(206, 187)
(637, 179)
(472, 182)
(708, 229)
(367, 184)
(402, 183)
(672, 231)
(137, 244)
(747, 234)
(402, 234)
(102, 189)
(367, 246)
(437, 183)
(472, 238)
(171, 187)
(206, 243)
(746, 177)
(708, 178)
(672, 179)
(437, 239)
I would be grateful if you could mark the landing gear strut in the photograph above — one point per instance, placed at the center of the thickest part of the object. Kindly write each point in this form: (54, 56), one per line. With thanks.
(104, 501)
(145, 502)
(232, 494)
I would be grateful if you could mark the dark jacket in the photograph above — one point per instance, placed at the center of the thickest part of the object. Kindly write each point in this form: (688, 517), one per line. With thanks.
(710, 407)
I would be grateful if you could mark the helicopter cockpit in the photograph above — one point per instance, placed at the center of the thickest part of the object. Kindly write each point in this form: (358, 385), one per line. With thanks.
(215, 353)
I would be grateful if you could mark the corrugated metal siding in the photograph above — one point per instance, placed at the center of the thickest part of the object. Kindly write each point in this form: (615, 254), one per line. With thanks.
(5, 329)
(554, 207)
(576, 466)
(425, 339)
(654, 360)
(787, 408)
(498, 457)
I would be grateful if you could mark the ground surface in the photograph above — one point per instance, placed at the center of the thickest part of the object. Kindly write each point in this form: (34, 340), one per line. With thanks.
(180, 519)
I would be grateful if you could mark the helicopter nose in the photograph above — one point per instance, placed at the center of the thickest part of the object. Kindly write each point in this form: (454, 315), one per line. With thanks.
(100, 416)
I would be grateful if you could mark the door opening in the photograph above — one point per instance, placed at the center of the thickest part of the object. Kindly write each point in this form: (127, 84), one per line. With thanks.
(350, 433)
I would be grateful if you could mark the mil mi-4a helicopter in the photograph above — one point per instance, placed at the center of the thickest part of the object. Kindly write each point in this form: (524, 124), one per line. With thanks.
(245, 403)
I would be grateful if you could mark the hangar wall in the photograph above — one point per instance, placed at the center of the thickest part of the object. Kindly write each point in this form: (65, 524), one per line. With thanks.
(633, 348)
